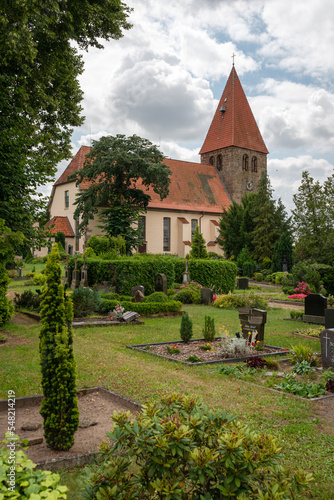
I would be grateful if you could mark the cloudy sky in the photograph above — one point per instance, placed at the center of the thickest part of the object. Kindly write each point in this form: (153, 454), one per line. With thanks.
(164, 78)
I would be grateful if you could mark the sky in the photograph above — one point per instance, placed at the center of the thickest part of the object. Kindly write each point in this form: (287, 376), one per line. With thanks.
(164, 78)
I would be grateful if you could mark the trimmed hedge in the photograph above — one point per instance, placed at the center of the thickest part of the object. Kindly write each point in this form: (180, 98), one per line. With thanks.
(143, 308)
(219, 274)
(129, 272)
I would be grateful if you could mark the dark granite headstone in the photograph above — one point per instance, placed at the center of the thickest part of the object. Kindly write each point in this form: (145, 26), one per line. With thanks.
(135, 288)
(206, 295)
(161, 283)
(327, 348)
(252, 320)
(315, 304)
(329, 318)
(242, 283)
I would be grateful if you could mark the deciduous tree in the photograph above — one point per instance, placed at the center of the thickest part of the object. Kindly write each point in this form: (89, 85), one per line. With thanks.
(118, 171)
(40, 93)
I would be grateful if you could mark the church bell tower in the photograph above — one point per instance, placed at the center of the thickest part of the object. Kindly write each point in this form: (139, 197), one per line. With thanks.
(234, 144)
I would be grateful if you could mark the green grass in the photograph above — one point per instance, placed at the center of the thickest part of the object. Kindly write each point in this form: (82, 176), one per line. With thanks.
(103, 359)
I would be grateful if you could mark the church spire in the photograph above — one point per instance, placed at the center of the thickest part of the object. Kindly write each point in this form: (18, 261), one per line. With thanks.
(233, 123)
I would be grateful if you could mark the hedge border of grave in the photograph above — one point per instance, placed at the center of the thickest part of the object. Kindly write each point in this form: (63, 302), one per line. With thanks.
(143, 308)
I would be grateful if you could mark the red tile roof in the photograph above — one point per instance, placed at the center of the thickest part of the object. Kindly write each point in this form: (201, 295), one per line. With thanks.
(61, 224)
(236, 125)
(193, 187)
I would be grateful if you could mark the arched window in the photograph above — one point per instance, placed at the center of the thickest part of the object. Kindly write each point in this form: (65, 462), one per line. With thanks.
(254, 164)
(212, 160)
(219, 162)
(245, 162)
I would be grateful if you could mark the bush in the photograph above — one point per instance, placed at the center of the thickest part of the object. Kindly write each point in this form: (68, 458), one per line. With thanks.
(188, 297)
(266, 263)
(85, 301)
(186, 330)
(231, 301)
(303, 271)
(156, 297)
(27, 481)
(142, 308)
(220, 275)
(296, 314)
(28, 300)
(39, 279)
(6, 307)
(258, 276)
(209, 331)
(301, 352)
(249, 268)
(178, 448)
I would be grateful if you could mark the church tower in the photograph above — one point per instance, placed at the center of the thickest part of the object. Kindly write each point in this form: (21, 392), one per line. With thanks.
(234, 144)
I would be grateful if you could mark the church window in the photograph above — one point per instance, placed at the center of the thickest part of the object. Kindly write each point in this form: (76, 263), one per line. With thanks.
(254, 164)
(77, 235)
(219, 161)
(194, 224)
(212, 160)
(245, 162)
(166, 234)
(67, 199)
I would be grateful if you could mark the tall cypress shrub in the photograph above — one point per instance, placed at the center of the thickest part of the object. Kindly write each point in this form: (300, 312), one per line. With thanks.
(60, 404)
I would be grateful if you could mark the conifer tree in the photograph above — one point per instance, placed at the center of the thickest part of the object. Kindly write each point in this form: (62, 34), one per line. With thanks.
(60, 405)
(198, 250)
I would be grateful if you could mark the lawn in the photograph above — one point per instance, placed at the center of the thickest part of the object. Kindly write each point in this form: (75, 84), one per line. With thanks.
(103, 359)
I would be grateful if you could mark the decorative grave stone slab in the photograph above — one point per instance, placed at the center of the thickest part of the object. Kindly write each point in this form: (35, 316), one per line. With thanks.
(206, 295)
(252, 320)
(75, 276)
(327, 348)
(161, 283)
(130, 316)
(242, 283)
(315, 306)
(135, 288)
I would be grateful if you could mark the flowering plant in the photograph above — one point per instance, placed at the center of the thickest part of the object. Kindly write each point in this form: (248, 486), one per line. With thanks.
(258, 345)
(118, 311)
(174, 349)
(301, 290)
(206, 347)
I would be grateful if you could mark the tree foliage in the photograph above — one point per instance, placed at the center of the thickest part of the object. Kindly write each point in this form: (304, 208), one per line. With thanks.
(313, 219)
(198, 248)
(59, 406)
(40, 93)
(8, 242)
(118, 171)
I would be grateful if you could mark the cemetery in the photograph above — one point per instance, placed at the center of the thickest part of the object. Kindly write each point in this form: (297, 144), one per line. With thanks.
(266, 367)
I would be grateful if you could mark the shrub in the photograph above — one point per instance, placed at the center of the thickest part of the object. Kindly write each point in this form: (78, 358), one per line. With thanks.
(220, 275)
(28, 300)
(296, 314)
(27, 482)
(186, 330)
(256, 362)
(198, 246)
(330, 386)
(60, 403)
(12, 274)
(301, 352)
(266, 263)
(89, 253)
(193, 359)
(156, 297)
(188, 297)
(236, 300)
(39, 279)
(303, 271)
(6, 307)
(209, 331)
(142, 308)
(85, 301)
(249, 268)
(178, 448)
(258, 276)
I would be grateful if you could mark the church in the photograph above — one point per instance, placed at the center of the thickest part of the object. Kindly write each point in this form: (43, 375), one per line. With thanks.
(232, 159)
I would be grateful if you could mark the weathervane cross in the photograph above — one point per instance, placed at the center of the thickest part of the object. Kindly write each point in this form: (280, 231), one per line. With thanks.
(233, 56)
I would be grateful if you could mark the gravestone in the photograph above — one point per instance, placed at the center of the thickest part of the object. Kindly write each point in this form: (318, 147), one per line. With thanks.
(242, 283)
(315, 306)
(67, 278)
(135, 288)
(75, 276)
(84, 277)
(185, 275)
(206, 295)
(329, 318)
(285, 264)
(252, 320)
(139, 296)
(19, 272)
(161, 283)
(327, 348)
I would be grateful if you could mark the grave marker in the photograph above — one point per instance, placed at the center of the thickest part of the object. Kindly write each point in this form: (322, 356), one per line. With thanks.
(327, 348)
(315, 306)
(206, 295)
(242, 283)
(161, 283)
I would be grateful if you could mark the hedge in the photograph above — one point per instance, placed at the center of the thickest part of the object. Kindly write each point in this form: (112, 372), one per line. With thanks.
(217, 274)
(143, 308)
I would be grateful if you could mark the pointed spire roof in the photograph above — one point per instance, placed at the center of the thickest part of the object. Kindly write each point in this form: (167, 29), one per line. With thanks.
(236, 125)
